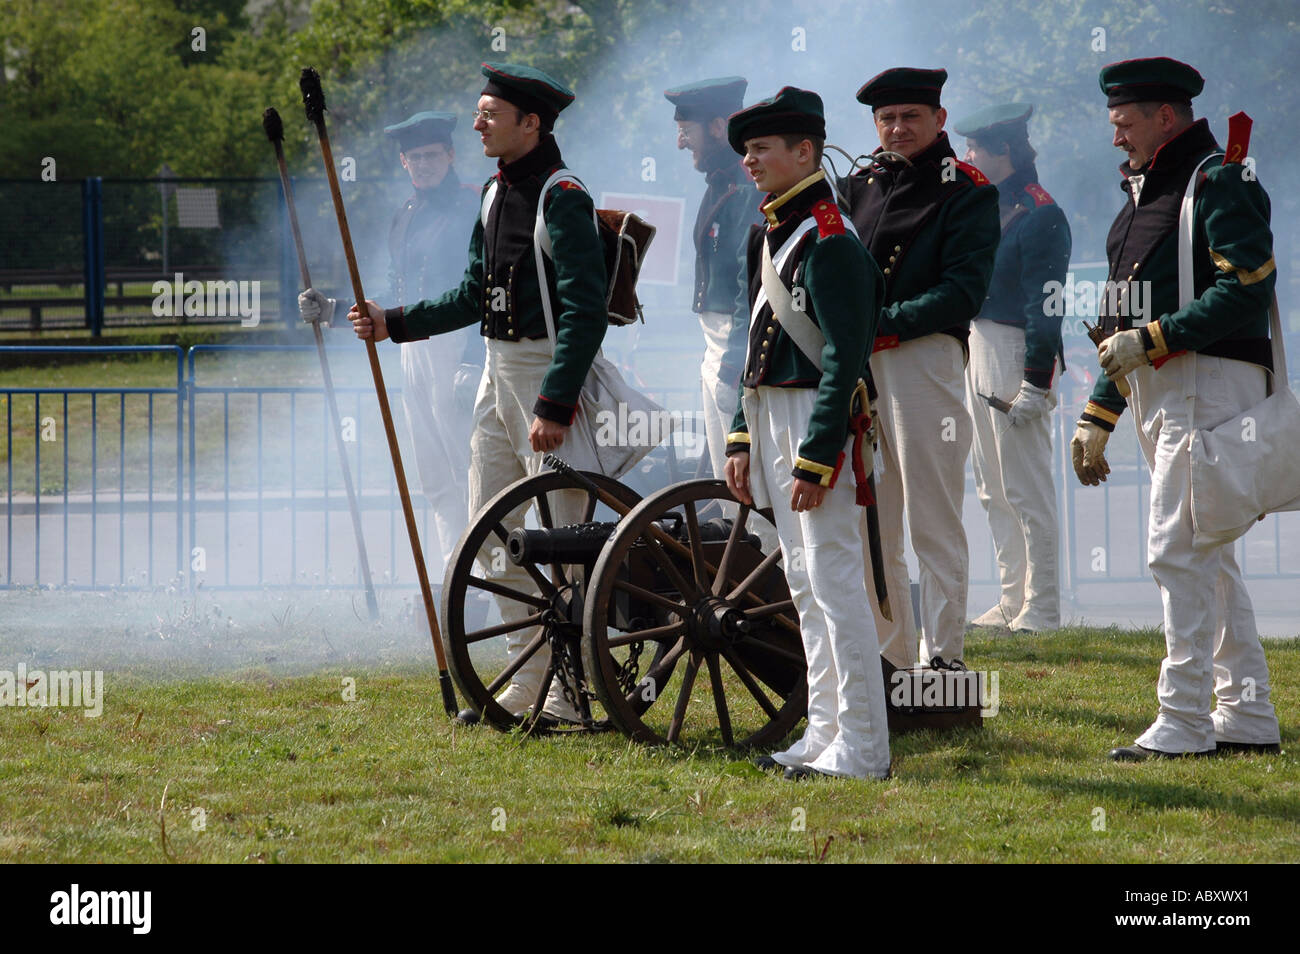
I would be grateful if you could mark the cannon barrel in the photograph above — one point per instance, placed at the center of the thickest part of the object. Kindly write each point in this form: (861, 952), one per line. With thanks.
(580, 543)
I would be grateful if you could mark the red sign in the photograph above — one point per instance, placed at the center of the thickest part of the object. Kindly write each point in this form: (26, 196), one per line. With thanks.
(665, 214)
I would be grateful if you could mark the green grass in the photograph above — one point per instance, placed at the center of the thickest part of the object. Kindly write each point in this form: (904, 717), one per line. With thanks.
(285, 770)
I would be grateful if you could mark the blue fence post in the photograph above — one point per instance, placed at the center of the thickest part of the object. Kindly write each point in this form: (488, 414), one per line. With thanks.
(92, 228)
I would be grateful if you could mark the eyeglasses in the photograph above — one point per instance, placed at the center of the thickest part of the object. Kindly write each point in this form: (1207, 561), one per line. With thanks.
(487, 115)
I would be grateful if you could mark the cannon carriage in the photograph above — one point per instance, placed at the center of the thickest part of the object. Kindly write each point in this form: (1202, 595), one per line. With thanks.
(665, 617)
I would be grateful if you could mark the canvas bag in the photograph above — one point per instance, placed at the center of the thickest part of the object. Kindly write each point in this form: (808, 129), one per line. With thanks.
(604, 392)
(1234, 481)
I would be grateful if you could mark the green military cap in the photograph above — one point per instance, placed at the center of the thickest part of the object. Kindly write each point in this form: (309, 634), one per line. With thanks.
(707, 99)
(423, 129)
(994, 121)
(789, 111)
(903, 84)
(1155, 79)
(527, 88)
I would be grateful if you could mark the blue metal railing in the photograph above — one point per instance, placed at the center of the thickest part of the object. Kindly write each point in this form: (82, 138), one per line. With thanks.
(1122, 538)
(64, 435)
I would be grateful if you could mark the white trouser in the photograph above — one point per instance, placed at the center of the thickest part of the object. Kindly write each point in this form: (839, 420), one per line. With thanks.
(439, 435)
(925, 435)
(719, 398)
(1212, 645)
(500, 454)
(848, 731)
(1013, 478)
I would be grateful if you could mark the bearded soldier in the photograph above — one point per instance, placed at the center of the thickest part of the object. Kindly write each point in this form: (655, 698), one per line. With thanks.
(721, 231)
(1216, 350)
(1014, 343)
(529, 393)
(931, 223)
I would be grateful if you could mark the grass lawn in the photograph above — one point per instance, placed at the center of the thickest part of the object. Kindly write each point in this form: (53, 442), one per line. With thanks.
(279, 767)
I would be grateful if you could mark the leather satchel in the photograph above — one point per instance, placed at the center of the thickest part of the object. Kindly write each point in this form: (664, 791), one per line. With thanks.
(1249, 466)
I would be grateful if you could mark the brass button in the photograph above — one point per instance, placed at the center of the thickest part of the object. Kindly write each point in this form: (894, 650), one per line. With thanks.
(766, 343)
(892, 258)
(898, 248)
(886, 270)
(870, 180)
(770, 329)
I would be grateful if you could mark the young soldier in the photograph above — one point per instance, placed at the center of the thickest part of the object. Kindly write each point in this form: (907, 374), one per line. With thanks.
(529, 392)
(931, 223)
(1013, 347)
(1216, 349)
(426, 256)
(721, 233)
(791, 433)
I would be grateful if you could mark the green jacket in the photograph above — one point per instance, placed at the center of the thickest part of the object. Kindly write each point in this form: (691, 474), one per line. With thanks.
(1034, 250)
(841, 289)
(1233, 268)
(500, 291)
(932, 227)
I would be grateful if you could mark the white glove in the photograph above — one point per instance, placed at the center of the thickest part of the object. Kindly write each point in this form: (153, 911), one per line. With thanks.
(465, 386)
(1087, 451)
(1122, 352)
(313, 306)
(1029, 405)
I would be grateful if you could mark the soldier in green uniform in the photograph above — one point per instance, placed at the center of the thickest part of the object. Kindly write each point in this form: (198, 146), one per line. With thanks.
(528, 396)
(1014, 342)
(426, 245)
(815, 298)
(721, 232)
(931, 223)
(1194, 364)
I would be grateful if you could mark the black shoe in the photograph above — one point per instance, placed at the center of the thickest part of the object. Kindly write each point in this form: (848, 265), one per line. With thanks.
(1259, 748)
(797, 773)
(956, 665)
(1140, 753)
(466, 717)
(767, 763)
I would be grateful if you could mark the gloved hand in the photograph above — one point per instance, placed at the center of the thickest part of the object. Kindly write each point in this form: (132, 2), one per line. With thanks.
(1029, 405)
(1087, 451)
(313, 306)
(465, 386)
(1122, 352)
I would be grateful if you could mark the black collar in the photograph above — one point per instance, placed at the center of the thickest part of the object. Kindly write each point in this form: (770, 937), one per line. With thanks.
(1012, 189)
(536, 164)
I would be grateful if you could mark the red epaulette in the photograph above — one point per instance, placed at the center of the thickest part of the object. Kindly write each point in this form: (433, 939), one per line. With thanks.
(976, 176)
(569, 184)
(1039, 194)
(829, 220)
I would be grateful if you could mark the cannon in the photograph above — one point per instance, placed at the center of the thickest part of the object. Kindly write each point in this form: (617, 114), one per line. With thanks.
(665, 617)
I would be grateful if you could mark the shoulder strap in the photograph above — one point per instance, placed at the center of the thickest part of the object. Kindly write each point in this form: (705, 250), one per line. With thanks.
(542, 243)
(807, 337)
(489, 196)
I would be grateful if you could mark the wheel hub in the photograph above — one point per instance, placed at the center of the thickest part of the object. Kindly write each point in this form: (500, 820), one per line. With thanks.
(716, 623)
